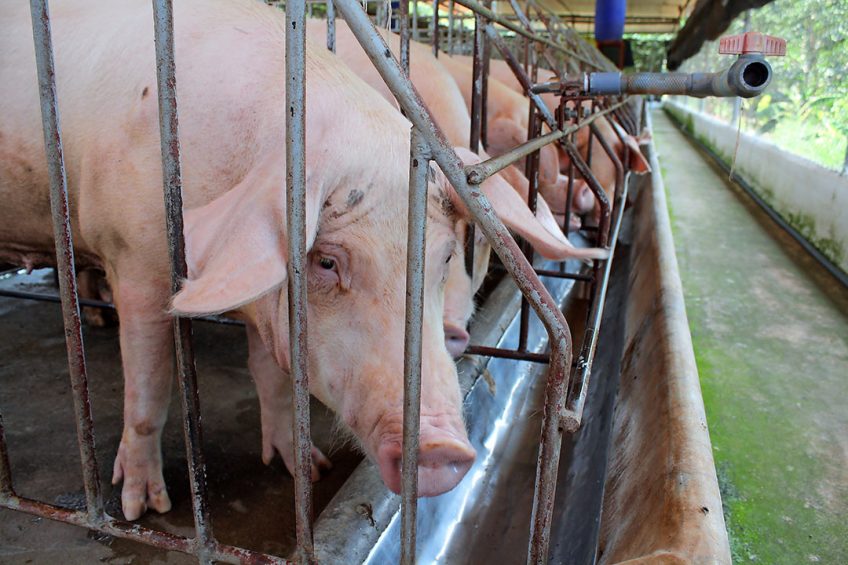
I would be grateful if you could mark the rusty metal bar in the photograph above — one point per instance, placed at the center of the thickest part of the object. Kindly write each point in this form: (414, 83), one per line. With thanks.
(6, 489)
(331, 26)
(490, 15)
(511, 257)
(138, 533)
(403, 15)
(419, 168)
(507, 353)
(296, 227)
(478, 173)
(163, 19)
(416, 35)
(65, 255)
(531, 167)
(451, 23)
(572, 415)
(435, 25)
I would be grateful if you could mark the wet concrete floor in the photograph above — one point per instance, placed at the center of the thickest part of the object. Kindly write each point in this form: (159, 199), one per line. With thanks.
(251, 504)
(770, 331)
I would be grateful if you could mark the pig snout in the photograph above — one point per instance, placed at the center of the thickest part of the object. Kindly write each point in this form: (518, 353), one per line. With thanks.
(456, 340)
(444, 457)
(582, 200)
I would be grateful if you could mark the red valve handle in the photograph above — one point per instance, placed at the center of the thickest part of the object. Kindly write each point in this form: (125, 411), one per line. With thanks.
(752, 42)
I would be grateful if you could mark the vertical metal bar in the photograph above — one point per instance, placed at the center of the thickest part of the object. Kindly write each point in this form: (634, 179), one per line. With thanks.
(451, 23)
(534, 129)
(65, 255)
(163, 19)
(484, 92)
(418, 170)
(331, 26)
(416, 35)
(296, 222)
(544, 490)
(435, 37)
(477, 87)
(5, 468)
(477, 83)
(404, 35)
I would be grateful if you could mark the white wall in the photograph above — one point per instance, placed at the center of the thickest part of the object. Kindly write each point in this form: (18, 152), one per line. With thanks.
(813, 199)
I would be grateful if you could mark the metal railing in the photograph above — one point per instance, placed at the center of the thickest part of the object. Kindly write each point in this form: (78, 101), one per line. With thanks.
(566, 385)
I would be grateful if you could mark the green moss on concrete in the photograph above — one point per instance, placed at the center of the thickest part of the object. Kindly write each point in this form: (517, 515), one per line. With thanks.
(771, 354)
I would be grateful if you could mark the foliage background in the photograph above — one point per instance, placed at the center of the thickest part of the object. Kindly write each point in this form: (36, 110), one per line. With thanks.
(805, 109)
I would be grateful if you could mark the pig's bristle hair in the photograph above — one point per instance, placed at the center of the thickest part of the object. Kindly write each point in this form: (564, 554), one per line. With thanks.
(342, 436)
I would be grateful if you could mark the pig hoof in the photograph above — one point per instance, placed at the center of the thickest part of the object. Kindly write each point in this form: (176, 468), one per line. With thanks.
(143, 487)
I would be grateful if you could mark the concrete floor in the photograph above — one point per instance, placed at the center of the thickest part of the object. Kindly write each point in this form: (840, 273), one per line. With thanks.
(251, 504)
(770, 330)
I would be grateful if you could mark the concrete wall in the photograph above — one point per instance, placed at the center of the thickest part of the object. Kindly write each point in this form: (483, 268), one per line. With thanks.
(811, 198)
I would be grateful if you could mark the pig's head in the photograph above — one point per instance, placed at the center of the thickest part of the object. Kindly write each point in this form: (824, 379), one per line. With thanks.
(507, 193)
(356, 225)
(583, 200)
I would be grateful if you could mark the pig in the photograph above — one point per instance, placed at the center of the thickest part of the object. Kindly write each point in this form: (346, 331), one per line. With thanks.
(628, 152)
(230, 84)
(507, 118)
(440, 92)
(507, 106)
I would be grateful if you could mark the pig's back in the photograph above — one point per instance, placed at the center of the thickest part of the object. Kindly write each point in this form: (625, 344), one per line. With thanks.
(106, 85)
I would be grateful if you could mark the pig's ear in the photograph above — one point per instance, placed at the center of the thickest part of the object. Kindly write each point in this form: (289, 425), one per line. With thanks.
(541, 230)
(638, 163)
(236, 244)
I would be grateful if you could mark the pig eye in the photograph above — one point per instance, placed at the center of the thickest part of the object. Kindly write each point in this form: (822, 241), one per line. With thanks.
(327, 263)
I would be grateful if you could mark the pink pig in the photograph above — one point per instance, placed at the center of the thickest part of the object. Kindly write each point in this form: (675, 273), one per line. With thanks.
(440, 92)
(230, 86)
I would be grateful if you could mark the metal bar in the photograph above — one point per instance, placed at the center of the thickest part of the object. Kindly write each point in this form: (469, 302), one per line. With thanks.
(522, 77)
(163, 18)
(507, 354)
(451, 23)
(490, 15)
(65, 255)
(596, 189)
(419, 168)
(404, 36)
(572, 415)
(478, 173)
(416, 35)
(89, 303)
(531, 167)
(561, 275)
(435, 27)
(296, 227)
(138, 533)
(484, 93)
(331, 26)
(6, 489)
(511, 257)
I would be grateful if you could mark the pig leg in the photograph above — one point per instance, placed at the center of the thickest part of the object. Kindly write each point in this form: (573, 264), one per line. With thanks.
(274, 385)
(147, 354)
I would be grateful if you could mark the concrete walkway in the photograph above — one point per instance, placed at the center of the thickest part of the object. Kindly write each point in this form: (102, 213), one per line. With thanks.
(770, 331)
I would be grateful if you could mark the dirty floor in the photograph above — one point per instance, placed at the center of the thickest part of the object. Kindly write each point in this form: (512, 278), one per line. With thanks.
(770, 330)
(251, 504)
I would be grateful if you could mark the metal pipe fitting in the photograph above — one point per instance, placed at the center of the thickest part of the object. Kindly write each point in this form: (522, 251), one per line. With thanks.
(747, 77)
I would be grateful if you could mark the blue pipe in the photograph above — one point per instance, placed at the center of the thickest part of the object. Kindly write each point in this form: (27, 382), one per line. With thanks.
(609, 19)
